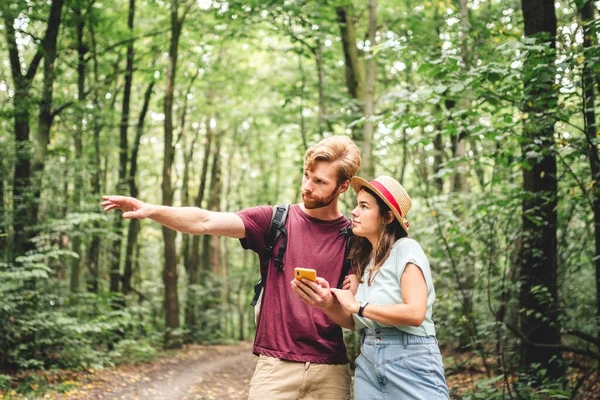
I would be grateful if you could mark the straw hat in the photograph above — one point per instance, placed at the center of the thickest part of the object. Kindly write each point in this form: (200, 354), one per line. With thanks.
(391, 192)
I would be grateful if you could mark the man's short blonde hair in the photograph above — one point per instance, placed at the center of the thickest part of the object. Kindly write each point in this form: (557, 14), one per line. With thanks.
(340, 150)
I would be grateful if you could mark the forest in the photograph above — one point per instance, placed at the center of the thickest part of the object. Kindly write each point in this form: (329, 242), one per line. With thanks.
(484, 110)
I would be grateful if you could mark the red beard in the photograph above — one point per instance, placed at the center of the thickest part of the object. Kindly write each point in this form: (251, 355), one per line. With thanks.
(312, 202)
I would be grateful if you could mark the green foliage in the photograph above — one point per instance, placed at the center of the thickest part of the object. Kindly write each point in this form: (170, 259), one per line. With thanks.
(5, 381)
(523, 388)
(132, 351)
(34, 386)
(205, 299)
(255, 72)
(44, 330)
(352, 341)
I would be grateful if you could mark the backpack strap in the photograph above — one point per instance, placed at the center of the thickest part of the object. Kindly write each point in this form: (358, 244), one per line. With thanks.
(347, 233)
(276, 230)
(280, 214)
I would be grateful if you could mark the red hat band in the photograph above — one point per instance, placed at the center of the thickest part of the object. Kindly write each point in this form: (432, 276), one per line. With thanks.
(386, 193)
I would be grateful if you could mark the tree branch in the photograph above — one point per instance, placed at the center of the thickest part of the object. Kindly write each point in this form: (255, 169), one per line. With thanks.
(584, 336)
(141, 296)
(31, 35)
(545, 114)
(568, 349)
(132, 39)
(574, 175)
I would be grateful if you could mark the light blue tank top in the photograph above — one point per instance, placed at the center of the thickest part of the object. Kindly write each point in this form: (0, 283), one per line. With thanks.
(385, 288)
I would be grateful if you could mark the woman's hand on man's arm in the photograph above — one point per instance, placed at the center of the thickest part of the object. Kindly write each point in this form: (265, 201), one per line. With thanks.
(319, 295)
(351, 283)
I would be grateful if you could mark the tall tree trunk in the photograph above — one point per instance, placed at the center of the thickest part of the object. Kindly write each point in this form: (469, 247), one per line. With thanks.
(367, 146)
(460, 185)
(24, 210)
(133, 228)
(209, 259)
(188, 155)
(318, 53)
(438, 157)
(170, 252)
(134, 225)
(211, 244)
(354, 69)
(301, 105)
(460, 188)
(78, 139)
(228, 291)
(28, 168)
(62, 241)
(93, 254)
(115, 270)
(404, 162)
(459, 182)
(355, 76)
(45, 117)
(586, 14)
(438, 140)
(132, 236)
(3, 219)
(479, 170)
(115, 260)
(195, 251)
(192, 264)
(539, 291)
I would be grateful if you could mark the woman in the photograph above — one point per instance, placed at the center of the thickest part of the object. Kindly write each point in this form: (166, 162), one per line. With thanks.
(400, 357)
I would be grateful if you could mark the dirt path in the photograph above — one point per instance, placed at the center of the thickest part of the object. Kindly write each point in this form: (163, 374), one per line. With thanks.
(198, 373)
(216, 373)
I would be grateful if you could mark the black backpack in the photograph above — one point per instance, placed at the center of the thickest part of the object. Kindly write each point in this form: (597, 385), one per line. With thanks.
(277, 230)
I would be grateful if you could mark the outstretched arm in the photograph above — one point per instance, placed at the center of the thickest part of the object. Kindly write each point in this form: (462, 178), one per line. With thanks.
(194, 220)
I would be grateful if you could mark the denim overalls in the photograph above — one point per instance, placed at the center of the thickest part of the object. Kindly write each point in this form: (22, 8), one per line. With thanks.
(396, 365)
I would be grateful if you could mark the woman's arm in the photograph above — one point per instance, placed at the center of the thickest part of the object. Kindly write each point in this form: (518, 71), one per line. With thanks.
(319, 295)
(351, 283)
(411, 312)
(340, 316)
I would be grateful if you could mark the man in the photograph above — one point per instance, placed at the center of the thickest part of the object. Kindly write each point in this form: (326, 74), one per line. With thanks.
(301, 351)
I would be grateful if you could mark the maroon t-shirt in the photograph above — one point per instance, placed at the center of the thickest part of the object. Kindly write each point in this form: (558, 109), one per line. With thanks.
(287, 328)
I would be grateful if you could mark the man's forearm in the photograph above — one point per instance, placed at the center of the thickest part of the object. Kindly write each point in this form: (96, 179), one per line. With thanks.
(198, 221)
(182, 219)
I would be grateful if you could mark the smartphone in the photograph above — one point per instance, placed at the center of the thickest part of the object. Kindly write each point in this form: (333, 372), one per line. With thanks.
(307, 273)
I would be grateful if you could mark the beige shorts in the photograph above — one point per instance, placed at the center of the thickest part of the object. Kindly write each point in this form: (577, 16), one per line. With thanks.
(276, 379)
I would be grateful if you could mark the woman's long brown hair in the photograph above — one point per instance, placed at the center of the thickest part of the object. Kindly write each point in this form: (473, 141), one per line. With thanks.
(361, 251)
